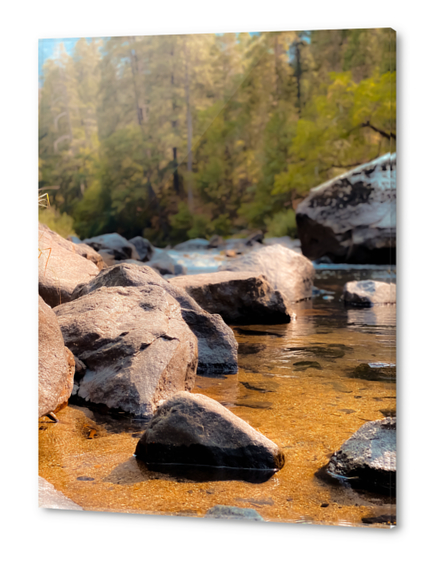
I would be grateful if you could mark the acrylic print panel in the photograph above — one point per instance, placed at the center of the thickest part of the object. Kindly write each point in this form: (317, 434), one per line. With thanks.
(217, 317)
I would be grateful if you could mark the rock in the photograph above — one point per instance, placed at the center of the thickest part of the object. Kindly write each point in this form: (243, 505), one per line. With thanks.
(352, 218)
(239, 297)
(368, 458)
(120, 248)
(369, 293)
(288, 272)
(192, 429)
(217, 346)
(135, 344)
(192, 245)
(51, 498)
(216, 241)
(231, 512)
(61, 267)
(254, 238)
(143, 247)
(56, 364)
(108, 257)
(162, 262)
(74, 239)
(285, 241)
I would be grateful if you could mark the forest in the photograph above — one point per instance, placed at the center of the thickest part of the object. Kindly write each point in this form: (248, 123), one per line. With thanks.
(184, 136)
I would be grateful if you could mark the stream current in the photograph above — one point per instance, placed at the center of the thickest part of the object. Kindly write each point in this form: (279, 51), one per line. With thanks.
(307, 385)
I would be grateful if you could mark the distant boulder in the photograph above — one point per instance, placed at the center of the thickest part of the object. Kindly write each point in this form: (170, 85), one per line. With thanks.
(368, 293)
(163, 263)
(143, 247)
(192, 245)
(352, 218)
(120, 248)
(61, 267)
(192, 429)
(238, 296)
(287, 271)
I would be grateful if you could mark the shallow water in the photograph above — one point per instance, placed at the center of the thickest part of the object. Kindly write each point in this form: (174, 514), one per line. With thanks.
(299, 384)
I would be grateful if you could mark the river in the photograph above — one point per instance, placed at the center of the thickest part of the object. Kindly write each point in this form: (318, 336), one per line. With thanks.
(308, 386)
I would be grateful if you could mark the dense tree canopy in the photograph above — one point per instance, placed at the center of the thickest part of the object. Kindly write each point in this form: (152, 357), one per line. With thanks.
(173, 137)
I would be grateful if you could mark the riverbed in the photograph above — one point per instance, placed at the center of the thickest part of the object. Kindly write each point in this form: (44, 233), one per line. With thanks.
(307, 386)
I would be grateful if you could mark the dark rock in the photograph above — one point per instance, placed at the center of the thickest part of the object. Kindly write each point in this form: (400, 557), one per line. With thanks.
(231, 512)
(51, 498)
(193, 429)
(352, 218)
(192, 245)
(367, 293)
(385, 372)
(216, 241)
(217, 346)
(368, 458)
(56, 365)
(287, 271)
(143, 247)
(61, 267)
(137, 348)
(254, 238)
(239, 297)
(120, 248)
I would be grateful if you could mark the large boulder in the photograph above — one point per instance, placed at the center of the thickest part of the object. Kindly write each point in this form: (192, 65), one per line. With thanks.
(136, 346)
(61, 267)
(56, 363)
(368, 458)
(115, 244)
(287, 271)
(217, 346)
(143, 247)
(352, 218)
(192, 429)
(239, 297)
(368, 293)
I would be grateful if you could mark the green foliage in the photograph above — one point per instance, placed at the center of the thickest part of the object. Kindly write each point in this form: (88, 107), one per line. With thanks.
(176, 137)
(59, 222)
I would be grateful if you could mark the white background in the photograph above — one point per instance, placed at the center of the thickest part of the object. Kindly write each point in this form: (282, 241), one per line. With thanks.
(28, 532)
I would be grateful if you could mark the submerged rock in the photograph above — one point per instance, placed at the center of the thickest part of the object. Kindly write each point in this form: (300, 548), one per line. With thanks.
(217, 346)
(56, 363)
(120, 248)
(231, 512)
(51, 498)
(352, 218)
(368, 458)
(287, 271)
(61, 267)
(368, 293)
(239, 297)
(135, 344)
(193, 429)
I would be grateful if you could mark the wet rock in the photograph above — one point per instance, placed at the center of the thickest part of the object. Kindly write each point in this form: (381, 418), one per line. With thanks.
(368, 458)
(137, 348)
(239, 297)
(217, 346)
(287, 271)
(143, 247)
(193, 429)
(55, 362)
(51, 498)
(352, 218)
(118, 246)
(231, 512)
(367, 293)
(192, 245)
(61, 267)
